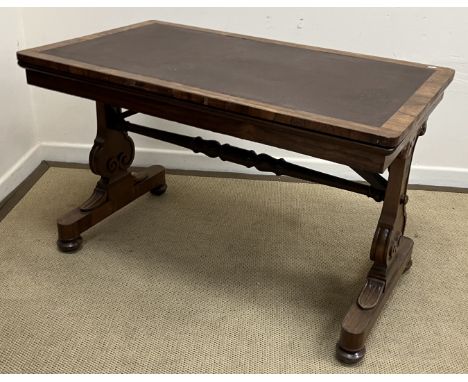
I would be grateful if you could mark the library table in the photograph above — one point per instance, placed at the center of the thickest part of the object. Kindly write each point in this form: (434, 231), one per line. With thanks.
(360, 111)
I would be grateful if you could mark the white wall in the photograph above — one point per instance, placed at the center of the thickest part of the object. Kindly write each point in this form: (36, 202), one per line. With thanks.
(18, 136)
(66, 125)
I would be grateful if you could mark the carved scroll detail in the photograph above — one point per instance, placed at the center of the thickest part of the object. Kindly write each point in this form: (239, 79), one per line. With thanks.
(385, 245)
(370, 294)
(112, 154)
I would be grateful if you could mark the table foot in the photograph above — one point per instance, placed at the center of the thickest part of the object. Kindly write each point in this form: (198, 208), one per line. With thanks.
(158, 191)
(347, 357)
(71, 245)
(106, 199)
(364, 312)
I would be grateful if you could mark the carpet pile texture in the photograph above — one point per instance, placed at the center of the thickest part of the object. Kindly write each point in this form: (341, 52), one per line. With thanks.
(225, 275)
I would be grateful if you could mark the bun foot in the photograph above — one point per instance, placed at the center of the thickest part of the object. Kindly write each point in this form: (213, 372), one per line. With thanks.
(159, 190)
(347, 357)
(70, 245)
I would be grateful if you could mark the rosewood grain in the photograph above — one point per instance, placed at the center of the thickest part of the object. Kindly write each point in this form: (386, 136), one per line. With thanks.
(48, 58)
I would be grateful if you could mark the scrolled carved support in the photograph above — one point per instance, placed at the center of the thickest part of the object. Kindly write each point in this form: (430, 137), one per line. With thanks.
(113, 151)
(392, 222)
(111, 156)
(391, 253)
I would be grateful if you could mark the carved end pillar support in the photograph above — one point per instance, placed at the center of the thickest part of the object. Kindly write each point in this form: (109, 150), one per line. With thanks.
(111, 156)
(391, 253)
(392, 222)
(113, 151)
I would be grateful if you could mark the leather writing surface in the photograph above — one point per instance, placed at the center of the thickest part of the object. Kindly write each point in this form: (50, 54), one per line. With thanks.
(350, 88)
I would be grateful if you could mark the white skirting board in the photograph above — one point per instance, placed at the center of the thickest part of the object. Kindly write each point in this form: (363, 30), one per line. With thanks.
(20, 171)
(186, 160)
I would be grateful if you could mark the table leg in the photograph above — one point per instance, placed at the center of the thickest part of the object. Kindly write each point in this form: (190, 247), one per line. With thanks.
(110, 157)
(391, 253)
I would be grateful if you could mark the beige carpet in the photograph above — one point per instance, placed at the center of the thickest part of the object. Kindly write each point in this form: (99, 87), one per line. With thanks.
(226, 276)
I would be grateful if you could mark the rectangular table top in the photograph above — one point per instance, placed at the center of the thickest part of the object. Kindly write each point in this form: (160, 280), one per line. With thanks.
(367, 99)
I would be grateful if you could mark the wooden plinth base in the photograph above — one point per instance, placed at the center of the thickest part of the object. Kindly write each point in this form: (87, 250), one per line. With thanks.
(362, 315)
(106, 199)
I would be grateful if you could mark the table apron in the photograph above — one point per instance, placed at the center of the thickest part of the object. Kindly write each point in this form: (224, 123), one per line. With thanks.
(340, 150)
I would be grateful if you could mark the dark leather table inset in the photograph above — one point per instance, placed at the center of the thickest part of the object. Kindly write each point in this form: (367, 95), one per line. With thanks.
(345, 87)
